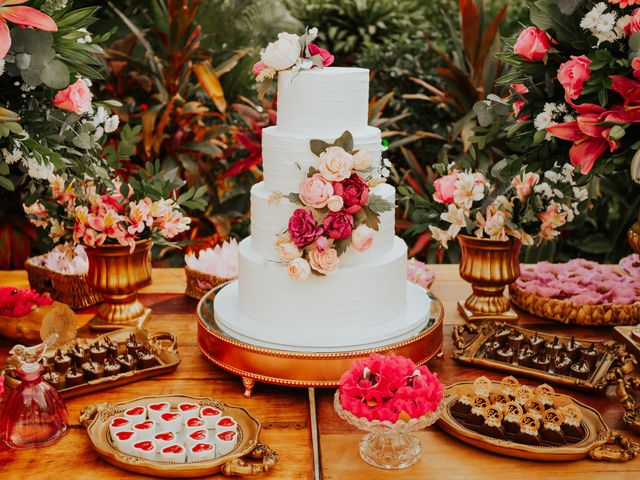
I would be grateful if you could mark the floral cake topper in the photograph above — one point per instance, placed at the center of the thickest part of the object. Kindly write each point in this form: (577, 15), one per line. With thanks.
(337, 209)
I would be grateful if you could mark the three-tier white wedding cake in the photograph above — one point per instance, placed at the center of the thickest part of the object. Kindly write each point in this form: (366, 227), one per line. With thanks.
(367, 301)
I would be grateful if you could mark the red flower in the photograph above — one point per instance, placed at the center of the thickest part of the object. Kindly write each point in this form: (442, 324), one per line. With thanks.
(532, 44)
(303, 228)
(572, 75)
(354, 191)
(327, 58)
(338, 225)
(518, 104)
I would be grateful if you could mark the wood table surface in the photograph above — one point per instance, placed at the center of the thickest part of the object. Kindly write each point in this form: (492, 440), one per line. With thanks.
(284, 412)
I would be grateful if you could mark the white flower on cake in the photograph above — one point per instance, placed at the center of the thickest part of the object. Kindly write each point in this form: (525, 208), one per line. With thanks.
(336, 164)
(362, 238)
(287, 250)
(299, 269)
(283, 53)
(325, 262)
(335, 203)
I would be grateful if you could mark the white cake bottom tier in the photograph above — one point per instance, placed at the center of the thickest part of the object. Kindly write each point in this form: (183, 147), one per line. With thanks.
(268, 220)
(286, 157)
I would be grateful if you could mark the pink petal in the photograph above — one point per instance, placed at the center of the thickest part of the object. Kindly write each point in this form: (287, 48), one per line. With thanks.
(623, 85)
(586, 153)
(5, 38)
(566, 131)
(30, 17)
(12, 2)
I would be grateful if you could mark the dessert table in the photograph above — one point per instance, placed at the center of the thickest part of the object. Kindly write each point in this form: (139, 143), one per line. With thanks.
(289, 416)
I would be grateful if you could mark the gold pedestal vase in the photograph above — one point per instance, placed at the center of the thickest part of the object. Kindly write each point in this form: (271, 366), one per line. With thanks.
(117, 274)
(489, 266)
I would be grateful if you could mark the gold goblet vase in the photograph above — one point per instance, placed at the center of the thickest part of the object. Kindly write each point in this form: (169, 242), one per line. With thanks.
(117, 274)
(489, 266)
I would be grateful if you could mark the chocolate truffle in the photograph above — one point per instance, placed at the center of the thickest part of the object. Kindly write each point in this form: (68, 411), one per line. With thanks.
(112, 347)
(536, 342)
(553, 348)
(492, 425)
(133, 346)
(505, 354)
(476, 417)
(525, 356)
(571, 424)
(53, 379)
(92, 370)
(146, 359)
(111, 367)
(515, 340)
(528, 434)
(80, 355)
(126, 361)
(551, 430)
(590, 355)
(98, 352)
(462, 406)
(572, 349)
(490, 349)
(62, 361)
(562, 364)
(513, 413)
(541, 362)
(581, 370)
(502, 334)
(74, 376)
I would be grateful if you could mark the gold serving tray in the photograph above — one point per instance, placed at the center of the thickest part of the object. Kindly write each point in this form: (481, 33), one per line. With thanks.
(613, 355)
(164, 345)
(96, 419)
(598, 441)
(302, 369)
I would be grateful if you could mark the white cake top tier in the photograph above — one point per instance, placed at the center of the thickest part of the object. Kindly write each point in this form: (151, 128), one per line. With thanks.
(323, 102)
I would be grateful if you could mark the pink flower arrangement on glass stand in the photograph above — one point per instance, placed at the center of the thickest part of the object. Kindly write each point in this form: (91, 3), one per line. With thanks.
(390, 397)
(338, 209)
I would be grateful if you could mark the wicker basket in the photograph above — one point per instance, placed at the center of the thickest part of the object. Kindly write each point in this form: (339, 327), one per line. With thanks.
(65, 288)
(198, 283)
(575, 313)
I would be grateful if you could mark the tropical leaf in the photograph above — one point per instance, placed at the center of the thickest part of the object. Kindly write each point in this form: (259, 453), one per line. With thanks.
(210, 83)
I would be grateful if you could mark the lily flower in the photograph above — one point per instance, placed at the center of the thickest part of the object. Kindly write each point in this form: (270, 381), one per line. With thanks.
(23, 17)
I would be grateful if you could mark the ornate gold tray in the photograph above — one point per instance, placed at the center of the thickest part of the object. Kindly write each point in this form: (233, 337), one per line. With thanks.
(162, 344)
(302, 369)
(613, 356)
(97, 417)
(575, 313)
(598, 442)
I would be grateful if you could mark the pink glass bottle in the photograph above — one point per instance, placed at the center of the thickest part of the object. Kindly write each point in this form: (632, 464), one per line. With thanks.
(34, 414)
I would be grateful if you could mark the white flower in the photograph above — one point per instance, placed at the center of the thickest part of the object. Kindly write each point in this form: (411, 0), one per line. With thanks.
(552, 176)
(99, 117)
(567, 171)
(39, 170)
(456, 217)
(621, 25)
(86, 38)
(469, 188)
(56, 232)
(385, 172)
(1, 66)
(601, 25)
(111, 124)
(551, 114)
(313, 31)
(544, 190)
(386, 162)
(558, 193)
(580, 193)
(11, 157)
(283, 53)
(439, 235)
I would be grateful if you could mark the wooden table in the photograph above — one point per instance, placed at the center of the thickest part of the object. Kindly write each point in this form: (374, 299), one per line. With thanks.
(284, 412)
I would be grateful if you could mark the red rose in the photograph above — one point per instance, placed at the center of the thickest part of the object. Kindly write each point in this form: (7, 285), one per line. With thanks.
(303, 228)
(353, 191)
(338, 225)
(327, 58)
(572, 75)
(532, 44)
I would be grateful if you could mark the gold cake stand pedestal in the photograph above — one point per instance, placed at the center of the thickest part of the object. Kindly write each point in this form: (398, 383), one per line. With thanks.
(302, 369)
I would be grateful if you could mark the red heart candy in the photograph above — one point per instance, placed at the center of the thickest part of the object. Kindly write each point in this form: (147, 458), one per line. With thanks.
(199, 435)
(126, 435)
(166, 436)
(158, 406)
(226, 422)
(146, 445)
(135, 411)
(187, 406)
(144, 425)
(173, 449)
(195, 422)
(118, 422)
(169, 416)
(226, 436)
(210, 412)
(201, 447)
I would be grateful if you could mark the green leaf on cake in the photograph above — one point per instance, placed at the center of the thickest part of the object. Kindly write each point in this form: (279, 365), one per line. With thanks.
(377, 204)
(371, 218)
(294, 198)
(318, 146)
(345, 141)
(341, 246)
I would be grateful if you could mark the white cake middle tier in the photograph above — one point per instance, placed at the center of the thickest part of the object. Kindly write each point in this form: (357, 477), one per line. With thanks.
(286, 158)
(268, 220)
(357, 296)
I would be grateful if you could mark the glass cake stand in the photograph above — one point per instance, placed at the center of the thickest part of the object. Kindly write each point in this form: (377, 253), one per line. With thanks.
(303, 369)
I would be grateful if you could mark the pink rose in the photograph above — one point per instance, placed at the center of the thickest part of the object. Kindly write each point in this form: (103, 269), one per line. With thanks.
(75, 98)
(299, 269)
(445, 188)
(362, 238)
(303, 228)
(322, 244)
(327, 58)
(573, 74)
(259, 67)
(287, 251)
(354, 191)
(635, 64)
(335, 164)
(532, 44)
(315, 191)
(335, 203)
(324, 262)
(634, 25)
(524, 186)
(518, 104)
(338, 225)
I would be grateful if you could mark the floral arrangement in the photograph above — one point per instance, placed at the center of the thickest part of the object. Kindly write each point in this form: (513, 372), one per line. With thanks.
(584, 282)
(575, 82)
(389, 388)
(419, 273)
(220, 261)
(291, 51)
(337, 209)
(527, 206)
(18, 302)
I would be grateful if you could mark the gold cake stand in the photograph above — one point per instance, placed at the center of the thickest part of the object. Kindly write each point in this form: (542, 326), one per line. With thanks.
(302, 369)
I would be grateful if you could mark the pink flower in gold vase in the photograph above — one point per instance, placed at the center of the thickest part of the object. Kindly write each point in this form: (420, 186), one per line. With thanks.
(445, 188)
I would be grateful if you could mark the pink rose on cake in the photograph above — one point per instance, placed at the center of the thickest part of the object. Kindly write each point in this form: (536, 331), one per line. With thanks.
(445, 188)
(362, 238)
(354, 191)
(336, 164)
(322, 244)
(315, 191)
(335, 203)
(287, 250)
(303, 228)
(338, 225)
(324, 262)
(283, 53)
(299, 269)
(325, 55)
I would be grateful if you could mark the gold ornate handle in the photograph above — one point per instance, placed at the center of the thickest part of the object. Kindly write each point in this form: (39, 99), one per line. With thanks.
(459, 332)
(618, 448)
(239, 466)
(88, 414)
(159, 337)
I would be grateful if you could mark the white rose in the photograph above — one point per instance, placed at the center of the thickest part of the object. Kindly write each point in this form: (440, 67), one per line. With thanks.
(336, 164)
(283, 53)
(287, 251)
(362, 160)
(324, 262)
(335, 203)
(299, 269)
(362, 238)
